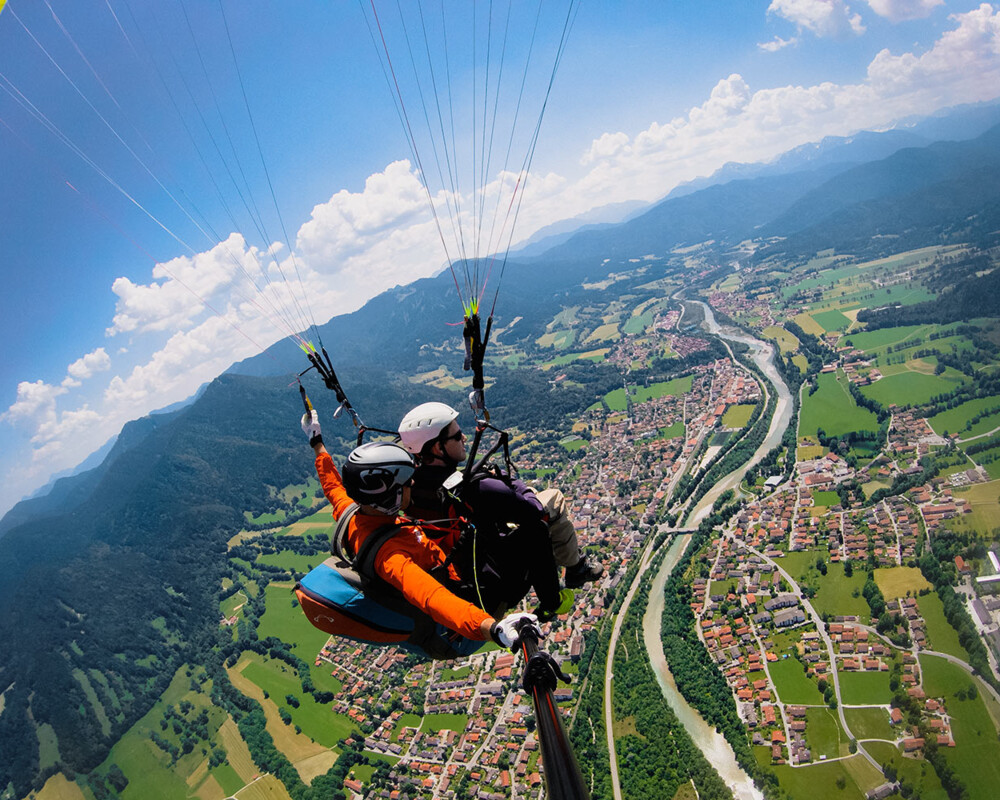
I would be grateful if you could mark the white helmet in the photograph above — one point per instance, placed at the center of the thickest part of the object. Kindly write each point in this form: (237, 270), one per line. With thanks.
(424, 424)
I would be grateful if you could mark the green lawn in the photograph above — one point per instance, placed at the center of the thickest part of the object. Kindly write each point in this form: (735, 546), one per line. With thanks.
(818, 782)
(738, 416)
(832, 409)
(869, 723)
(864, 688)
(954, 420)
(793, 685)
(824, 734)
(826, 499)
(976, 755)
(836, 593)
(678, 386)
(671, 431)
(444, 722)
(943, 637)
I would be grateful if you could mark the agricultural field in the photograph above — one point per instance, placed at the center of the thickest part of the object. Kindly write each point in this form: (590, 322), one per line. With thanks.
(787, 342)
(558, 340)
(831, 320)
(985, 516)
(832, 409)
(568, 358)
(976, 755)
(824, 734)
(820, 781)
(900, 581)
(836, 594)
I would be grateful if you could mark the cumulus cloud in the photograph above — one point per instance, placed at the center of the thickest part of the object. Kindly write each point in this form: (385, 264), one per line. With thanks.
(181, 288)
(824, 18)
(738, 123)
(903, 10)
(36, 401)
(86, 366)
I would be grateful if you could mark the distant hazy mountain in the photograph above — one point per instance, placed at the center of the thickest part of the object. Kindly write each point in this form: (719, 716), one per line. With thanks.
(558, 232)
(965, 122)
(948, 191)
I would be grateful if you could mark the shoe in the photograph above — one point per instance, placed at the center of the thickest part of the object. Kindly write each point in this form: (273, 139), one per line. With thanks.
(566, 598)
(582, 572)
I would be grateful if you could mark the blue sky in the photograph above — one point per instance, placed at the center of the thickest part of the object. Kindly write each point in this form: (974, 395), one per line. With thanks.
(120, 298)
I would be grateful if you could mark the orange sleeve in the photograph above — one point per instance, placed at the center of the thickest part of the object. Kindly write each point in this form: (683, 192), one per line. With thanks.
(398, 568)
(333, 487)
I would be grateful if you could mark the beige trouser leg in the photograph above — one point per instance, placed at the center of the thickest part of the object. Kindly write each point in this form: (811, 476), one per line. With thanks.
(565, 547)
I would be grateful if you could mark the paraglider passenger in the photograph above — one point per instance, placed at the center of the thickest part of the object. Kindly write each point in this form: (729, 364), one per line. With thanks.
(431, 433)
(377, 476)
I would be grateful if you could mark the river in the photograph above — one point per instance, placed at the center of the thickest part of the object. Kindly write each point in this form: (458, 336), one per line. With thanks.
(709, 741)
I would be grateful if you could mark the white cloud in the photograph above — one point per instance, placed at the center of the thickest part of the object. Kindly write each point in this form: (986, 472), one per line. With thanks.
(776, 44)
(738, 123)
(36, 401)
(85, 366)
(824, 18)
(903, 10)
(181, 288)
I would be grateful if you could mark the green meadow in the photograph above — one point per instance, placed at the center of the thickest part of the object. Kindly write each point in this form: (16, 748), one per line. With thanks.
(864, 688)
(616, 399)
(792, 683)
(835, 595)
(909, 388)
(976, 755)
(943, 637)
(956, 420)
(869, 723)
(832, 409)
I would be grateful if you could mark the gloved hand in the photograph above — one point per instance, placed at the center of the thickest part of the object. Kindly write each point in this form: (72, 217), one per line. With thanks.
(310, 426)
(507, 631)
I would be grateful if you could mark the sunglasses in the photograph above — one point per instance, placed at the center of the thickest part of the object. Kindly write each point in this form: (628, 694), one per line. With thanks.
(457, 436)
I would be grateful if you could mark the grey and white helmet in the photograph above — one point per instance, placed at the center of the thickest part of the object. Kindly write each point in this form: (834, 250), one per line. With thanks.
(375, 474)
